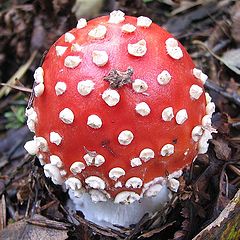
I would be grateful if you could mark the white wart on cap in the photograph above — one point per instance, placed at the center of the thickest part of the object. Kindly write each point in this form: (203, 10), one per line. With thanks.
(116, 173)
(167, 114)
(146, 154)
(85, 87)
(72, 61)
(144, 22)
(111, 97)
(55, 138)
(138, 49)
(139, 86)
(116, 17)
(100, 58)
(143, 109)
(173, 49)
(66, 115)
(60, 88)
(98, 33)
(94, 121)
(125, 137)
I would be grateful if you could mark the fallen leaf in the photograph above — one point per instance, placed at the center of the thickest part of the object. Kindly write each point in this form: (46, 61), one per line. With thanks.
(235, 15)
(22, 230)
(222, 150)
(232, 57)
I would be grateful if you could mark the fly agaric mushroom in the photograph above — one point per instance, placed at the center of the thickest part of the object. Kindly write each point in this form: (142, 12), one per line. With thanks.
(118, 104)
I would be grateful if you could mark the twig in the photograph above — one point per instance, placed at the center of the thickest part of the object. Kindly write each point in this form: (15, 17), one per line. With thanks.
(18, 74)
(2, 213)
(23, 89)
(233, 97)
(234, 169)
(156, 230)
(12, 176)
(231, 67)
(98, 229)
(49, 224)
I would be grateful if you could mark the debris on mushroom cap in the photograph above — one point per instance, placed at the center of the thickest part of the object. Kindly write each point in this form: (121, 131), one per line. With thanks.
(126, 89)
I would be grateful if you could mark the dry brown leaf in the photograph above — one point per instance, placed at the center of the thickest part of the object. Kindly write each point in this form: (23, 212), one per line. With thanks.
(22, 230)
(232, 56)
(227, 225)
(222, 150)
(235, 15)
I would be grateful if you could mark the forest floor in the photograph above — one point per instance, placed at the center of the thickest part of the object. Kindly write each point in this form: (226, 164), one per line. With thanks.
(31, 207)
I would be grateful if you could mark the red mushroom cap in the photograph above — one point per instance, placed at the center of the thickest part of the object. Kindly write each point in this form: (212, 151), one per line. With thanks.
(118, 104)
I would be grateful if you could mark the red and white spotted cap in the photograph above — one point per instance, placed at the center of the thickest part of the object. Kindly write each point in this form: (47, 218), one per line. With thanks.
(118, 103)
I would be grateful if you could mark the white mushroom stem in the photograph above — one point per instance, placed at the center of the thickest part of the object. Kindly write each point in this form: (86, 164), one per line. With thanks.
(105, 212)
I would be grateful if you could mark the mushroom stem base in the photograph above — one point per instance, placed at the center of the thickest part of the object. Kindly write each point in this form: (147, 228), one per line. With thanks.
(108, 213)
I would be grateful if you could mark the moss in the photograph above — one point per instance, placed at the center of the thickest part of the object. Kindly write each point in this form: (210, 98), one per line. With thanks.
(232, 231)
